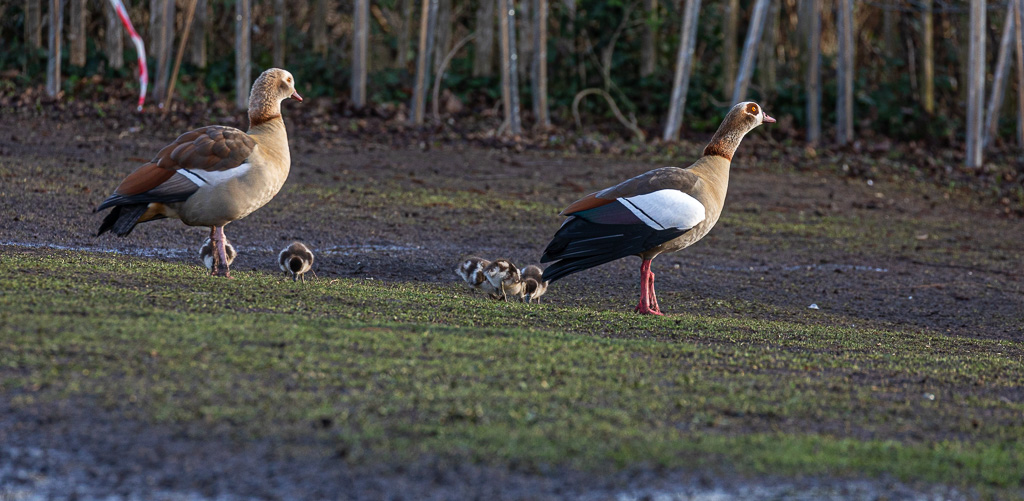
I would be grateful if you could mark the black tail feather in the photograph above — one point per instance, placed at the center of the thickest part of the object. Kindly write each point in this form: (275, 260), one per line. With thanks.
(122, 219)
(580, 245)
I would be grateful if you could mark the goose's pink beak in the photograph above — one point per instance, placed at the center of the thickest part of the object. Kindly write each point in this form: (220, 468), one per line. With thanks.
(297, 97)
(767, 119)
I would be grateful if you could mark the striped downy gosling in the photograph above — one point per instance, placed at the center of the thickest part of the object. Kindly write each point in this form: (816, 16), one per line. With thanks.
(296, 259)
(206, 252)
(505, 278)
(471, 270)
(534, 285)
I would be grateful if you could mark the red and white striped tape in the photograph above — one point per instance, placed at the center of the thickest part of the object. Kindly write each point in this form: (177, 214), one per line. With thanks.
(140, 49)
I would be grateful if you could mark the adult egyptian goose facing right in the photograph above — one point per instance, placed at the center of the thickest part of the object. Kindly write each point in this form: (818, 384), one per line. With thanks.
(663, 210)
(213, 175)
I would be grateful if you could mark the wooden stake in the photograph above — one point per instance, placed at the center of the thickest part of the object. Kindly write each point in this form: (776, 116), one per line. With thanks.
(814, 72)
(509, 66)
(684, 63)
(975, 83)
(928, 58)
(53, 80)
(844, 70)
(243, 57)
(361, 28)
(539, 66)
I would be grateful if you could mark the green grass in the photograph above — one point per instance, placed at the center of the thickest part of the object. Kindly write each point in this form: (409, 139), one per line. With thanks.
(394, 371)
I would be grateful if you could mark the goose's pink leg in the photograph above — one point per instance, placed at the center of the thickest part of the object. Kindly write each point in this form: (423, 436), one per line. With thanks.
(646, 290)
(220, 254)
(654, 297)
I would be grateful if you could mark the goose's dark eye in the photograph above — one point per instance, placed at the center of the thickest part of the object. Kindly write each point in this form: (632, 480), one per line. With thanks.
(753, 109)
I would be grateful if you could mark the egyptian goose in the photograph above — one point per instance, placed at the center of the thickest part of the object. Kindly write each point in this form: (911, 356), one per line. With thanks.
(504, 277)
(213, 175)
(296, 259)
(663, 210)
(471, 270)
(534, 285)
(206, 253)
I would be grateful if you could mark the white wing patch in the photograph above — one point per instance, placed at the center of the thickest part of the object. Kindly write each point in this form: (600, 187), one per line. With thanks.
(665, 209)
(214, 177)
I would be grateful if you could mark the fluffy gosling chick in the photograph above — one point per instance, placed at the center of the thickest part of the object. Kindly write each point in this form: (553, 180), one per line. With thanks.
(206, 252)
(296, 259)
(534, 285)
(471, 270)
(505, 278)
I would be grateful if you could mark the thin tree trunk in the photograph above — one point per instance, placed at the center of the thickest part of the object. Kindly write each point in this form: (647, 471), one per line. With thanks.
(113, 43)
(730, 31)
(749, 58)
(814, 72)
(442, 33)
(928, 58)
(649, 40)
(197, 43)
(844, 69)
(890, 42)
(33, 23)
(280, 39)
(1019, 42)
(318, 26)
(540, 63)
(999, 78)
(402, 45)
(524, 38)
(483, 59)
(428, 19)
(53, 81)
(361, 28)
(975, 83)
(76, 32)
(243, 57)
(769, 44)
(684, 63)
(509, 70)
(161, 28)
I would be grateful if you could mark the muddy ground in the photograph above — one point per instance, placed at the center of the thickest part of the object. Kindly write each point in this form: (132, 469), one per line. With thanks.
(886, 253)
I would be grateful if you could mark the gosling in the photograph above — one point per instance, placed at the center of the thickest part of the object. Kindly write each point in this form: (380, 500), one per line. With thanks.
(471, 270)
(296, 259)
(206, 253)
(534, 285)
(504, 277)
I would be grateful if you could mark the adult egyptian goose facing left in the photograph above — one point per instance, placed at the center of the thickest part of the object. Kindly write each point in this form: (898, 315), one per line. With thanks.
(213, 175)
(663, 210)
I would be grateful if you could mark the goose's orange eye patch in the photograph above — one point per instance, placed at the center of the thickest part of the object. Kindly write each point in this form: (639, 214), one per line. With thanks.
(752, 109)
